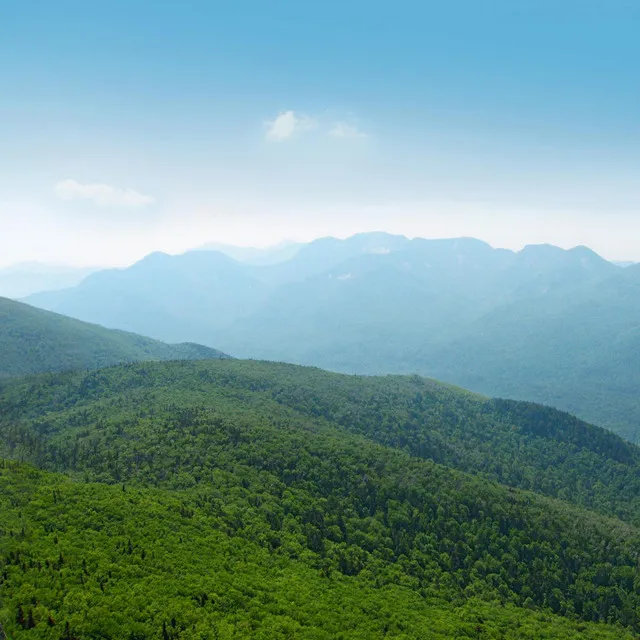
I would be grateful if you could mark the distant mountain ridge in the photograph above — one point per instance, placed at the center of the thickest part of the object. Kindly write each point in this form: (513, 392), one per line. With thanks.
(37, 341)
(544, 324)
(163, 296)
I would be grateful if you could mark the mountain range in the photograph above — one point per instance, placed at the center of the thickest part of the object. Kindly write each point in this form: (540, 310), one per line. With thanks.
(543, 324)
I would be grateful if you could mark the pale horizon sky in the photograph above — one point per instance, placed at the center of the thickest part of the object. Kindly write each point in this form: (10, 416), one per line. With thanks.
(132, 126)
(138, 249)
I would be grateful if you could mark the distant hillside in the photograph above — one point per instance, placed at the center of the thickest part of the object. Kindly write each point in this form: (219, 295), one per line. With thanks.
(32, 341)
(543, 324)
(263, 500)
(162, 296)
(319, 256)
(578, 351)
(24, 279)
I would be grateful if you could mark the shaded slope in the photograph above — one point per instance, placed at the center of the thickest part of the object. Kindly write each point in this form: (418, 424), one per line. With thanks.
(33, 340)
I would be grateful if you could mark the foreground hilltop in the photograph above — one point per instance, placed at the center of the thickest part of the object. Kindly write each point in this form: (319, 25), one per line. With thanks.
(33, 341)
(247, 499)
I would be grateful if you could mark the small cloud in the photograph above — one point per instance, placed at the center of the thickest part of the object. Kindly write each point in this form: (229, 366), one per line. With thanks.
(102, 194)
(288, 124)
(344, 130)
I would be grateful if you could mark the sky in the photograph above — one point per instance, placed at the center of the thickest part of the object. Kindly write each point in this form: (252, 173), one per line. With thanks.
(129, 126)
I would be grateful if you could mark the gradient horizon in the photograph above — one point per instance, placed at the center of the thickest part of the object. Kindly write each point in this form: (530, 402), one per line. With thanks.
(130, 127)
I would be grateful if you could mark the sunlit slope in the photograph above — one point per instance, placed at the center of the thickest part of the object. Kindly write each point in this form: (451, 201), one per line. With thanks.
(95, 561)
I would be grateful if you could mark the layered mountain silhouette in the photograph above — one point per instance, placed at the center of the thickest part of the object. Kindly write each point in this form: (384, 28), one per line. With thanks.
(543, 324)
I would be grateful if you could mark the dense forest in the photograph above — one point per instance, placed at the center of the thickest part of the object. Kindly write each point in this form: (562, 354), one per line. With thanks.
(229, 499)
(87, 560)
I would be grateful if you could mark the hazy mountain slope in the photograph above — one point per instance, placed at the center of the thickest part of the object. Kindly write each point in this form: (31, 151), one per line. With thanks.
(24, 279)
(247, 483)
(171, 298)
(365, 313)
(355, 317)
(542, 323)
(383, 312)
(33, 340)
(370, 294)
(579, 354)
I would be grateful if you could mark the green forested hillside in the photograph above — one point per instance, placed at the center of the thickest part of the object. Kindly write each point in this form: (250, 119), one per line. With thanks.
(240, 499)
(523, 445)
(85, 560)
(33, 341)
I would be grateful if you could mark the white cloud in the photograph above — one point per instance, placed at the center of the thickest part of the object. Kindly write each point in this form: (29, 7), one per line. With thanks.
(344, 130)
(102, 194)
(288, 124)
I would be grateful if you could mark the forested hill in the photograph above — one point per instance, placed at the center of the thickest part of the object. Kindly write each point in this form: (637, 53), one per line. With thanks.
(33, 341)
(523, 445)
(258, 500)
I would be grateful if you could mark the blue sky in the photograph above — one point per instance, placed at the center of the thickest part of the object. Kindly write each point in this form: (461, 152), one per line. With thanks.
(127, 127)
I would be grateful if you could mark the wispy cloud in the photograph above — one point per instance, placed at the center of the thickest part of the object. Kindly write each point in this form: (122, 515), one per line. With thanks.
(344, 130)
(105, 195)
(287, 124)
